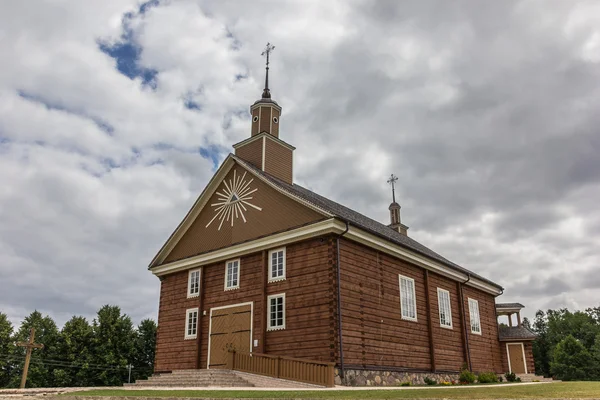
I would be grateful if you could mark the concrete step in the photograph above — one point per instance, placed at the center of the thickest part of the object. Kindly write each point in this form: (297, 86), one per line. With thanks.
(534, 378)
(195, 378)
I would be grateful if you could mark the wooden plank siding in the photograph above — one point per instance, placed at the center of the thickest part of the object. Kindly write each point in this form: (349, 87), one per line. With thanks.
(528, 347)
(308, 296)
(484, 348)
(278, 160)
(374, 333)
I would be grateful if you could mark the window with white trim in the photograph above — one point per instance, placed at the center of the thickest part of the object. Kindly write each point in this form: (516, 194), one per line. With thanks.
(191, 323)
(277, 265)
(276, 304)
(194, 283)
(474, 316)
(232, 274)
(445, 308)
(408, 301)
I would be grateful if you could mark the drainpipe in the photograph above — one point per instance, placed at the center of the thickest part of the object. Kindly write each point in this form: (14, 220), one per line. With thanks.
(339, 302)
(462, 300)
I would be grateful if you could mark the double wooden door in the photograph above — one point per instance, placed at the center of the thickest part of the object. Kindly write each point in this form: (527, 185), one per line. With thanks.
(230, 329)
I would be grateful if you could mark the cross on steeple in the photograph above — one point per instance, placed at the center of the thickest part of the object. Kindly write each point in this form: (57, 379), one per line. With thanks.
(266, 92)
(392, 180)
(29, 345)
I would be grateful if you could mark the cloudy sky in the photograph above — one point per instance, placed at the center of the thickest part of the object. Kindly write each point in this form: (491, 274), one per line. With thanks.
(114, 114)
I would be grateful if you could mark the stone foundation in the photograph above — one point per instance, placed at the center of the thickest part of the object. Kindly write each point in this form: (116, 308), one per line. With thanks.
(356, 377)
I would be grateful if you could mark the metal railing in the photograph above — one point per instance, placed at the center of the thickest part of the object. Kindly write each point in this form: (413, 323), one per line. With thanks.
(294, 369)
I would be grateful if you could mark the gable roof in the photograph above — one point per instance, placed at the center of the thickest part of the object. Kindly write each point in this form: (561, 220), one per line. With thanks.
(515, 332)
(359, 220)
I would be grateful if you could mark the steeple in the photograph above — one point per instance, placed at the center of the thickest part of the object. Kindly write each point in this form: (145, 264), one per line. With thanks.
(395, 221)
(266, 92)
(263, 148)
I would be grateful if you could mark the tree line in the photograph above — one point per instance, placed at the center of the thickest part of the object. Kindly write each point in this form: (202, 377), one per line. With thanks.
(568, 343)
(79, 354)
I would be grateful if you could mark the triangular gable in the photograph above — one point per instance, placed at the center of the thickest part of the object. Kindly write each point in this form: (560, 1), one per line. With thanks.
(236, 206)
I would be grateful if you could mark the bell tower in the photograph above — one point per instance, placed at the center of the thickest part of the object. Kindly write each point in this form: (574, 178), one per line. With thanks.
(264, 149)
(395, 221)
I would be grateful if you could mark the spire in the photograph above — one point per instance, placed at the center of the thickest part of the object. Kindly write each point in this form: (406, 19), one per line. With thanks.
(266, 92)
(395, 222)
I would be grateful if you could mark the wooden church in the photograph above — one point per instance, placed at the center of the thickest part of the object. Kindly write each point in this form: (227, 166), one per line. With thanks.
(262, 265)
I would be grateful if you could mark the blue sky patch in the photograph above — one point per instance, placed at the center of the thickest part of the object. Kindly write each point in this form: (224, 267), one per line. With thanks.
(127, 51)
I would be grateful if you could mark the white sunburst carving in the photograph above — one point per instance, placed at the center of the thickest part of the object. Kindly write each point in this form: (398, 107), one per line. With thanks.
(232, 200)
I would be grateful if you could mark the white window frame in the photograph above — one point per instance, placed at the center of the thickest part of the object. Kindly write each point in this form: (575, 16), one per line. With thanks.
(276, 327)
(190, 274)
(441, 292)
(414, 298)
(474, 315)
(239, 268)
(278, 278)
(188, 335)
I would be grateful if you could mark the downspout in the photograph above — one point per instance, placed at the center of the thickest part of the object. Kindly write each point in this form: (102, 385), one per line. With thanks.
(462, 300)
(339, 302)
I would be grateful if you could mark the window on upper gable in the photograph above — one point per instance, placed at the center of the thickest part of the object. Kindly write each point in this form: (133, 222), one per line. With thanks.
(474, 316)
(276, 312)
(444, 308)
(277, 265)
(194, 283)
(408, 301)
(232, 274)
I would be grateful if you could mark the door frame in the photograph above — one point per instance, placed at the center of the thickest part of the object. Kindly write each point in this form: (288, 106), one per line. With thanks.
(508, 355)
(251, 303)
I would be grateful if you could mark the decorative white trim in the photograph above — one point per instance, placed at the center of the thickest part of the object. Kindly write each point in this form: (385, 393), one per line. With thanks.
(269, 326)
(260, 136)
(270, 264)
(251, 303)
(255, 118)
(187, 318)
(264, 152)
(440, 290)
(414, 297)
(233, 199)
(271, 121)
(375, 242)
(239, 269)
(189, 294)
(522, 351)
(476, 302)
(276, 240)
(270, 104)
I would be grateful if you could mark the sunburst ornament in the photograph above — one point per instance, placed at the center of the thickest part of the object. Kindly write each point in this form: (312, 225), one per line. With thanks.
(232, 200)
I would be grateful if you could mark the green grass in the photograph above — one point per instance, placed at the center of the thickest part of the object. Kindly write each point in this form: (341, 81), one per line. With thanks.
(551, 390)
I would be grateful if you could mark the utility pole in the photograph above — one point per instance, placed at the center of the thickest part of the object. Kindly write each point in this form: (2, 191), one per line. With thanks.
(30, 345)
(129, 367)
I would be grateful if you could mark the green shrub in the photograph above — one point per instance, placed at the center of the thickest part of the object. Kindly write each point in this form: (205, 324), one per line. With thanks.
(467, 377)
(405, 384)
(487, 377)
(510, 377)
(430, 381)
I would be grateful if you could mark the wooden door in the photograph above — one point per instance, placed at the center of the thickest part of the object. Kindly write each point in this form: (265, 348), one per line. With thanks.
(517, 360)
(230, 329)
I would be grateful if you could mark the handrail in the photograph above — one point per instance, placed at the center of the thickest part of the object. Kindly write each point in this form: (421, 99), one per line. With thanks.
(295, 369)
(285, 358)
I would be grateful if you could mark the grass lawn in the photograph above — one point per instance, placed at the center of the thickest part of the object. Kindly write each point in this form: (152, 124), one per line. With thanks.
(550, 390)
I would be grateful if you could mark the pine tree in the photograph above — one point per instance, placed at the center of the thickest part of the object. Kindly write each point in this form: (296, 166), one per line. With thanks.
(43, 362)
(6, 350)
(74, 347)
(145, 346)
(113, 345)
